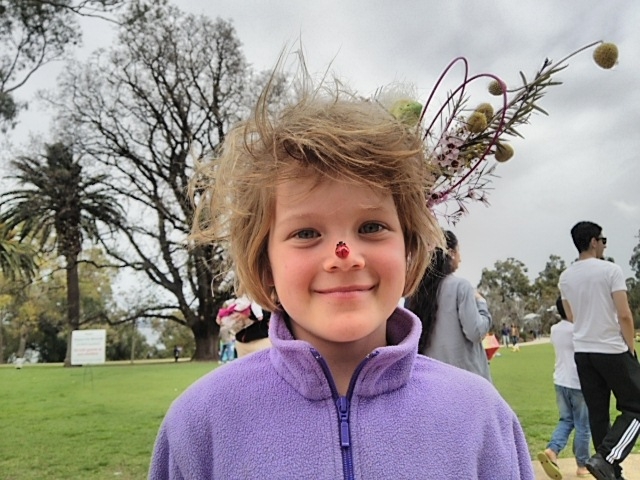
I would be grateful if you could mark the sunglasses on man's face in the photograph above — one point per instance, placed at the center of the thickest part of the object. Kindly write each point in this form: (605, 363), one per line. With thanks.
(603, 240)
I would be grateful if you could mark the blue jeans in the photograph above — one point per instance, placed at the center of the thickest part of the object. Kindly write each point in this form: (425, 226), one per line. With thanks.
(573, 414)
(228, 352)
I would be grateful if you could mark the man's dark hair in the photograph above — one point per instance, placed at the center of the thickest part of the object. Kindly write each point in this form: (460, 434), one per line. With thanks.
(560, 307)
(582, 233)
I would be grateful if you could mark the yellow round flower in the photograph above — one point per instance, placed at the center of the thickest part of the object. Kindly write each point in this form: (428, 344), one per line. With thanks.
(496, 88)
(504, 152)
(606, 55)
(476, 122)
(486, 109)
(407, 111)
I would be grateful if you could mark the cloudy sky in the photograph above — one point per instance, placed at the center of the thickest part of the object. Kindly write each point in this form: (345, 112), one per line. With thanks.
(580, 163)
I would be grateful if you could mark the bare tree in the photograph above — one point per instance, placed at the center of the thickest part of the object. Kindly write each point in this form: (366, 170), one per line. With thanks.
(508, 291)
(34, 33)
(166, 92)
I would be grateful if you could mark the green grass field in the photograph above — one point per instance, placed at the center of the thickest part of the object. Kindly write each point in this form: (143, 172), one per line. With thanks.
(100, 422)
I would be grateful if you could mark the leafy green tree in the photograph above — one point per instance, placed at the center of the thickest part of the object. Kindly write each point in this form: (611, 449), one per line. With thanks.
(34, 313)
(163, 95)
(545, 290)
(635, 258)
(124, 339)
(59, 203)
(633, 294)
(34, 33)
(633, 284)
(173, 334)
(545, 286)
(508, 290)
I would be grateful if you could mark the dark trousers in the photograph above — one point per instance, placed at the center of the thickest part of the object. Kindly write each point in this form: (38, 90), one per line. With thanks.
(603, 373)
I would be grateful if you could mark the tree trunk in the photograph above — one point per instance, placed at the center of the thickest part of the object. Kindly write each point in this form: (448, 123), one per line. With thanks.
(1, 344)
(206, 336)
(22, 346)
(73, 302)
(133, 342)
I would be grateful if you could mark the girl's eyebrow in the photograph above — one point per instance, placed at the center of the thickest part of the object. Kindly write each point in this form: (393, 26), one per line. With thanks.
(297, 212)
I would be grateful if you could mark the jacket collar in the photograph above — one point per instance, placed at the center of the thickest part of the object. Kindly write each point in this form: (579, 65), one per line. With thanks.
(387, 370)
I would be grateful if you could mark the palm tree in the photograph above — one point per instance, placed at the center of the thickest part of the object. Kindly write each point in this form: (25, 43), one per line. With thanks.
(17, 259)
(58, 203)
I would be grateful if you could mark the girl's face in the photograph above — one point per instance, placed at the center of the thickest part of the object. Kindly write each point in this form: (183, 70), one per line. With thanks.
(336, 300)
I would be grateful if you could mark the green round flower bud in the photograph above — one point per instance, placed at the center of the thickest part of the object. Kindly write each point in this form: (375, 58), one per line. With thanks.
(496, 88)
(407, 111)
(476, 122)
(486, 109)
(606, 55)
(504, 152)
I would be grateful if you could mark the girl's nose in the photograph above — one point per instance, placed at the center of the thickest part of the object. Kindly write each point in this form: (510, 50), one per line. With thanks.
(343, 255)
(342, 250)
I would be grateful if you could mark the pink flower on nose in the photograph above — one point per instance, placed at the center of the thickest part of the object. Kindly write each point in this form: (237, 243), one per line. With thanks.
(342, 251)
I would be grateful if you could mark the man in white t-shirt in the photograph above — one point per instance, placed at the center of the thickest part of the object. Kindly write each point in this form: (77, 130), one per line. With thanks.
(594, 296)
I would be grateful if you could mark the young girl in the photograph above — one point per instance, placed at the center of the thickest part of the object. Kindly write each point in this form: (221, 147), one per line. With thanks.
(324, 210)
(455, 318)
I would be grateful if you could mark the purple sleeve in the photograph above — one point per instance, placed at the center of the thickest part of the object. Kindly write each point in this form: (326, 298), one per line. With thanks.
(162, 467)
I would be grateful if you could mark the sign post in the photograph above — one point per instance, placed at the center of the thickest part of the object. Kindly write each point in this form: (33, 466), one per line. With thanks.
(88, 347)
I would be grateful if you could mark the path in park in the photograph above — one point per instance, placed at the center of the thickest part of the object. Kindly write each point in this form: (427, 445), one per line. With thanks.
(631, 468)
(567, 466)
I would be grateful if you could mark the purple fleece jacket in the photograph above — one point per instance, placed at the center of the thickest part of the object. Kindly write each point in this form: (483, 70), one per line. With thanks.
(273, 415)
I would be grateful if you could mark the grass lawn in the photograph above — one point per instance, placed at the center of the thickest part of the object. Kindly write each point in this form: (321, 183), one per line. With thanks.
(525, 380)
(100, 422)
(85, 423)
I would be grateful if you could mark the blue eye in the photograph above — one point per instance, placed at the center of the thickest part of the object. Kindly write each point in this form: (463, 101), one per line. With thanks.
(306, 234)
(371, 227)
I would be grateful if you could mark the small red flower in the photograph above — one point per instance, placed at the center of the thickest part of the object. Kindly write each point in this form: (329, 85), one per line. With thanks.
(342, 251)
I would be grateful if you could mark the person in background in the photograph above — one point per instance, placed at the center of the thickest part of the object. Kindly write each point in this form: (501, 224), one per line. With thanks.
(594, 295)
(232, 318)
(455, 317)
(571, 405)
(504, 332)
(515, 334)
(176, 352)
(254, 336)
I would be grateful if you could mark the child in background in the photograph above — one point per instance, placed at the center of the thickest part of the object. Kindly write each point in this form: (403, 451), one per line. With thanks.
(571, 405)
(323, 207)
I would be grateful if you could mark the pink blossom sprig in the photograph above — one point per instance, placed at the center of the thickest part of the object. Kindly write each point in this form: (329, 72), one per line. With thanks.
(457, 151)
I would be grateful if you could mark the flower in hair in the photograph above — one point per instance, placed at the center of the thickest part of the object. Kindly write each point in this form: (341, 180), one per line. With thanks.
(606, 55)
(460, 142)
(407, 111)
(477, 122)
(497, 88)
(504, 152)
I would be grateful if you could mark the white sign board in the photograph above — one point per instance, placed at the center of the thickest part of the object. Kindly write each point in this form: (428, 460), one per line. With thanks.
(88, 347)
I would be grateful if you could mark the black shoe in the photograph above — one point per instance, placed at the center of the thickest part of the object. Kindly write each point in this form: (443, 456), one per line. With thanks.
(600, 468)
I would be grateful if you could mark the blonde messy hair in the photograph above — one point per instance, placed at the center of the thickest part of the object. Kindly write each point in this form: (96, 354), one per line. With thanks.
(328, 133)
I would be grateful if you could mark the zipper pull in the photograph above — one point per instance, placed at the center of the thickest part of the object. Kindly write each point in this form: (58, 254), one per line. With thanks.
(343, 409)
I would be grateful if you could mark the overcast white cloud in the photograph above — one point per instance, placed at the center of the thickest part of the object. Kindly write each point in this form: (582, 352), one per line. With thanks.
(580, 163)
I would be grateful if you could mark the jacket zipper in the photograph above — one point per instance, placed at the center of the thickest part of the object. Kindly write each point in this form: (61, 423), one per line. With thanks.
(343, 404)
